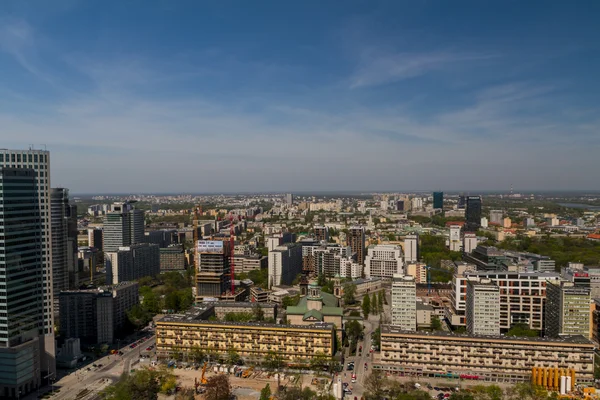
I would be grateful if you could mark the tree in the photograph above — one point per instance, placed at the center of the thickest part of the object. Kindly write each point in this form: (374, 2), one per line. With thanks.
(380, 300)
(290, 301)
(349, 293)
(258, 312)
(484, 392)
(374, 304)
(273, 360)
(436, 324)
(218, 388)
(366, 306)
(265, 393)
(375, 385)
(196, 354)
(233, 357)
(522, 330)
(354, 330)
(142, 384)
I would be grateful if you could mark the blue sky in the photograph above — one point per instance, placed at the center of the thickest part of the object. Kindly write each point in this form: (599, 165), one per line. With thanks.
(165, 96)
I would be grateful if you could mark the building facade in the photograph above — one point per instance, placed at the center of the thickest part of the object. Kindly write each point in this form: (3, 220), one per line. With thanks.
(567, 309)
(491, 358)
(213, 270)
(252, 341)
(483, 308)
(39, 162)
(96, 315)
(130, 263)
(22, 272)
(383, 261)
(411, 248)
(123, 226)
(172, 258)
(356, 241)
(285, 263)
(404, 302)
(473, 213)
(438, 200)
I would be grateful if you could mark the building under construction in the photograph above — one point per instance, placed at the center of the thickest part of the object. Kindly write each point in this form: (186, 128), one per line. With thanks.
(213, 270)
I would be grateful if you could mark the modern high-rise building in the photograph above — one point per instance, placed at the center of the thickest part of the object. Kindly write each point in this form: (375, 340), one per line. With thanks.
(462, 202)
(483, 307)
(438, 200)
(130, 263)
(289, 199)
(473, 213)
(356, 241)
(567, 309)
(321, 233)
(95, 238)
(64, 262)
(72, 246)
(411, 248)
(404, 302)
(496, 217)
(213, 269)
(383, 261)
(21, 282)
(39, 162)
(285, 263)
(123, 226)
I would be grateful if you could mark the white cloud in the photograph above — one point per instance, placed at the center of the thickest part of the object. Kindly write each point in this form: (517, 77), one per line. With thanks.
(376, 67)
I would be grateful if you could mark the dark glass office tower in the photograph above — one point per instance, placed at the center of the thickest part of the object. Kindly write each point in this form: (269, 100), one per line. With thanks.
(438, 200)
(473, 213)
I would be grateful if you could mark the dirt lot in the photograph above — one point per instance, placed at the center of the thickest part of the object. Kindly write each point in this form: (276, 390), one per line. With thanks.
(245, 388)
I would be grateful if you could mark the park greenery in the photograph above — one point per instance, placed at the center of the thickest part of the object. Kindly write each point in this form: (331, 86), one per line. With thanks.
(522, 330)
(433, 250)
(168, 292)
(561, 249)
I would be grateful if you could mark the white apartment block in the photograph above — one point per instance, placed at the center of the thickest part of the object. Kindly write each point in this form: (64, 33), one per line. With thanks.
(469, 242)
(383, 261)
(454, 242)
(411, 248)
(483, 308)
(350, 269)
(404, 302)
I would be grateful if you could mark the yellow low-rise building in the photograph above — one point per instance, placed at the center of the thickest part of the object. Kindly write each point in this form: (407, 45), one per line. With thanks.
(252, 341)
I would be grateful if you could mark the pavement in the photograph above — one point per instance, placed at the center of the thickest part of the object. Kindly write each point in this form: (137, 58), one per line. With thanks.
(86, 385)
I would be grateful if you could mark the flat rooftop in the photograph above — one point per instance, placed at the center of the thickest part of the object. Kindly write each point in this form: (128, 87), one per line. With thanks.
(575, 339)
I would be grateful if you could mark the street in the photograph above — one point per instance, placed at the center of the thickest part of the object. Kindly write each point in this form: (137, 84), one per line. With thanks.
(85, 385)
(365, 356)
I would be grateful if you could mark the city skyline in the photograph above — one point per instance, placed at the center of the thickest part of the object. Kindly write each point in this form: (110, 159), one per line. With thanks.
(300, 97)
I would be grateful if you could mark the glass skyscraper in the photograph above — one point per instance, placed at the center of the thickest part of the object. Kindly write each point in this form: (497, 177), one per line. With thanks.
(21, 282)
